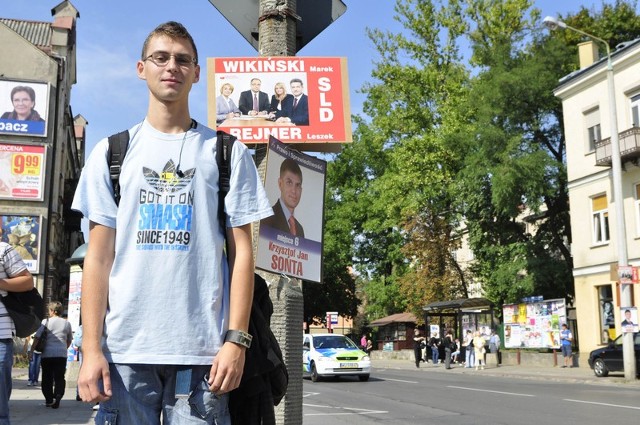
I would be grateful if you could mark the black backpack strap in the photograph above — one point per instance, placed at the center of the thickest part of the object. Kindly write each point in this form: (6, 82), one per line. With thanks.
(224, 145)
(118, 144)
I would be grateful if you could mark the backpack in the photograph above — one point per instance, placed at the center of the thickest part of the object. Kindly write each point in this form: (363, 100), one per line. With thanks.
(26, 310)
(263, 360)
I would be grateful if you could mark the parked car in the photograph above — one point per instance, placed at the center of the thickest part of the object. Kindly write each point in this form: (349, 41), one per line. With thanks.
(609, 358)
(333, 355)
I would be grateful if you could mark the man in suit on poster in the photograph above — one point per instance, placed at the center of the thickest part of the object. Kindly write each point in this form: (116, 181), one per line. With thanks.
(254, 102)
(290, 185)
(295, 109)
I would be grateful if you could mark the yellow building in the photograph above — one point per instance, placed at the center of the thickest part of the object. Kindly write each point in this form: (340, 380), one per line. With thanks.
(587, 126)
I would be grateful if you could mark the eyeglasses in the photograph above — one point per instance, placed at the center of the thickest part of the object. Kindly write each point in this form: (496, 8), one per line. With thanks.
(161, 59)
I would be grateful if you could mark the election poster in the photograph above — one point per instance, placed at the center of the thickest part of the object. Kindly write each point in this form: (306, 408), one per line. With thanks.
(22, 172)
(24, 107)
(290, 241)
(300, 100)
(22, 232)
(534, 324)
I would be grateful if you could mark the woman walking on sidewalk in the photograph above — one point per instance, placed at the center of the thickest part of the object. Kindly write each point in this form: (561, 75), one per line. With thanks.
(54, 355)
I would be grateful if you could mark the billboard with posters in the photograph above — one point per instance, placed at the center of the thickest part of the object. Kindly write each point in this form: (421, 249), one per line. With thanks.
(315, 99)
(24, 107)
(22, 232)
(290, 241)
(22, 172)
(534, 325)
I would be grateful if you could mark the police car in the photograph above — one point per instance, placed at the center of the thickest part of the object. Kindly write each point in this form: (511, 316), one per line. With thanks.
(333, 355)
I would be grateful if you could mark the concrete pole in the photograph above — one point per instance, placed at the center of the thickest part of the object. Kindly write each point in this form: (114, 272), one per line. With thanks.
(277, 37)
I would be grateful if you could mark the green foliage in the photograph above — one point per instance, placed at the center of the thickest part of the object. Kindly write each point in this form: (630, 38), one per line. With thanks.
(451, 141)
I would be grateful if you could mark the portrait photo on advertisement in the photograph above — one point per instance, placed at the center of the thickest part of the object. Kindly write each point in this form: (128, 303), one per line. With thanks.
(23, 107)
(22, 232)
(290, 241)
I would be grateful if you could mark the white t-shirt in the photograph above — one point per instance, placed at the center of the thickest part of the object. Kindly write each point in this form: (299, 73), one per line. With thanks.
(168, 288)
(10, 265)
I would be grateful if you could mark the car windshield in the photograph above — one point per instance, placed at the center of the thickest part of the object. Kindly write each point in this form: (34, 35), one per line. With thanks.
(336, 341)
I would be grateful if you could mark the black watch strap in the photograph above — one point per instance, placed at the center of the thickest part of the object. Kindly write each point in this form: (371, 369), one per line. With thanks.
(238, 337)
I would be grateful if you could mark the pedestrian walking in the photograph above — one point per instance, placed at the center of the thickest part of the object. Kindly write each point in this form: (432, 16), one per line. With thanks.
(566, 337)
(447, 342)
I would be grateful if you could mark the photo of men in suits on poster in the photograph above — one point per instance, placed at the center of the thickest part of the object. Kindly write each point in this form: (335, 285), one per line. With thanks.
(290, 241)
(23, 108)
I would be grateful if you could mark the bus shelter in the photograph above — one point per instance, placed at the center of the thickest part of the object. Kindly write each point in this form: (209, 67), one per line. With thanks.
(474, 314)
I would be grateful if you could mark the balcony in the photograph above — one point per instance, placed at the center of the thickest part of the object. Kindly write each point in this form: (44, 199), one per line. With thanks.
(629, 147)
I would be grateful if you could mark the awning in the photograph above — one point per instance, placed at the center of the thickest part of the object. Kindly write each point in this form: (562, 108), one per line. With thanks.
(457, 305)
(394, 318)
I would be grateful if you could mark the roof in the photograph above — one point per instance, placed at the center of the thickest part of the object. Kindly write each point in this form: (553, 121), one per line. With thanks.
(395, 318)
(460, 304)
(37, 33)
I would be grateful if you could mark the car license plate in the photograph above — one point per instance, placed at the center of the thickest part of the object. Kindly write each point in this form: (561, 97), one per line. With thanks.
(348, 365)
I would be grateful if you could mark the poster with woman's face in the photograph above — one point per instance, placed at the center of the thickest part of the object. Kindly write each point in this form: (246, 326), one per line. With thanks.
(24, 108)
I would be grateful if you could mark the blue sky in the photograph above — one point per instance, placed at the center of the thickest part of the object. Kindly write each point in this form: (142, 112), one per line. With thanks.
(110, 35)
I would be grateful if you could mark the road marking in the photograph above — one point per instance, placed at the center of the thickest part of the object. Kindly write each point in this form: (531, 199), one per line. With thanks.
(398, 380)
(350, 411)
(603, 404)
(491, 391)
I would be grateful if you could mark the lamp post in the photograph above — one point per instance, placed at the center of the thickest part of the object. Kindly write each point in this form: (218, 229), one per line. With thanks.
(616, 177)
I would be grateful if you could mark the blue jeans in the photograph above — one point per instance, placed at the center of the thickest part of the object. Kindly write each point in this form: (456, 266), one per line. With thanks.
(471, 357)
(434, 354)
(142, 392)
(6, 363)
(34, 368)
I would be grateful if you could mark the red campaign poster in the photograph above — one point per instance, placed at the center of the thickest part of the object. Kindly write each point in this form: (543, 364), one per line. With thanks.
(301, 100)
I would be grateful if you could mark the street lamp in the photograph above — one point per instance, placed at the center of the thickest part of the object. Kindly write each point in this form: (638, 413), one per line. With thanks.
(616, 176)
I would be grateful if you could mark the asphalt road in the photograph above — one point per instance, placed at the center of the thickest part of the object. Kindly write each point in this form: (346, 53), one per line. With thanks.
(466, 397)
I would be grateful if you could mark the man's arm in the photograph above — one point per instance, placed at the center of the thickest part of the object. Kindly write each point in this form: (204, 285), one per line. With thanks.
(21, 282)
(95, 291)
(243, 104)
(227, 367)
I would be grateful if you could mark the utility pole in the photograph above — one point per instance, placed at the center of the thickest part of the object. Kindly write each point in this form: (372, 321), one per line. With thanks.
(277, 28)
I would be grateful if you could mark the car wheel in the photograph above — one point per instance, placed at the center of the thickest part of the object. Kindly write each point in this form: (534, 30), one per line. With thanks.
(363, 378)
(600, 368)
(314, 373)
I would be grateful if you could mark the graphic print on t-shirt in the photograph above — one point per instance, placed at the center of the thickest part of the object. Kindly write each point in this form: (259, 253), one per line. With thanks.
(165, 210)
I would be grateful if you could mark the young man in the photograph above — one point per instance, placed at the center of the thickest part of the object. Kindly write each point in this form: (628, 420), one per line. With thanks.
(14, 277)
(290, 185)
(160, 302)
(565, 344)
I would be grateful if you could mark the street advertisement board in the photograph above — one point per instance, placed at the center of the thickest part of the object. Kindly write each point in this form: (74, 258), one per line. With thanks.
(24, 106)
(535, 324)
(22, 232)
(22, 172)
(294, 99)
(629, 319)
(75, 293)
(290, 241)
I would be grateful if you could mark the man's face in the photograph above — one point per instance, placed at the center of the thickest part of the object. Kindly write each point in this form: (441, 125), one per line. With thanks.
(171, 82)
(290, 186)
(296, 88)
(627, 315)
(255, 85)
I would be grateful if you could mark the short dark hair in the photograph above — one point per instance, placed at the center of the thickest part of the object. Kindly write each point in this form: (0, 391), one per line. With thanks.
(291, 166)
(296, 80)
(171, 29)
(29, 90)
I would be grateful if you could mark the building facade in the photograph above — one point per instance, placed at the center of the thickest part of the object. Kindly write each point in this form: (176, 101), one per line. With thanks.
(587, 126)
(42, 152)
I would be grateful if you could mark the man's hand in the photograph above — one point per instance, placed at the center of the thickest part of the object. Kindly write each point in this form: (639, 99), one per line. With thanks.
(93, 370)
(227, 367)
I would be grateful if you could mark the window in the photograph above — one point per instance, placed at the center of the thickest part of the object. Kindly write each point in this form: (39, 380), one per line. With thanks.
(635, 110)
(600, 220)
(607, 319)
(592, 124)
(637, 207)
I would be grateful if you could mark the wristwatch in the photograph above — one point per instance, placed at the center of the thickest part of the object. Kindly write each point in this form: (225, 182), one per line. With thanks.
(238, 337)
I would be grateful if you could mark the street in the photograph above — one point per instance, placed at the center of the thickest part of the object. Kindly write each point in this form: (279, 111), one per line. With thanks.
(425, 396)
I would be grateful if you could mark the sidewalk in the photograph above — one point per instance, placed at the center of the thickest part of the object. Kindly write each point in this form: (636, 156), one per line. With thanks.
(27, 405)
(582, 375)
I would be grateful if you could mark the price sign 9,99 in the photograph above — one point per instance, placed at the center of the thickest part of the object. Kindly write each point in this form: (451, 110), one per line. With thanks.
(26, 164)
